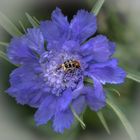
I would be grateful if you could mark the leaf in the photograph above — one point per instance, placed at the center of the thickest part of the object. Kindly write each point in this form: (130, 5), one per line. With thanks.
(9, 26)
(88, 80)
(31, 20)
(103, 121)
(123, 119)
(78, 118)
(3, 55)
(22, 26)
(37, 21)
(134, 76)
(3, 43)
(97, 6)
(114, 90)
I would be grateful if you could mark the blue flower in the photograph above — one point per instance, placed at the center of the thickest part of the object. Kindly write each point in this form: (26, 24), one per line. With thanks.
(54, 61)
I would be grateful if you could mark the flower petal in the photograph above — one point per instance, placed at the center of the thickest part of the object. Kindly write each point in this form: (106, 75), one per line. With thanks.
(65, 100)
(25, 48)
(18, 51)
(60, 20)
(79, 104)
(63, 120)
(71, 46)
(95, 96)
(78, 90)
(108, 72)
(35, 40)
(98, 49)
(51, 105)
(46, 111)
(57, 29)
(83, 26)
(27, 86)
(50, 31)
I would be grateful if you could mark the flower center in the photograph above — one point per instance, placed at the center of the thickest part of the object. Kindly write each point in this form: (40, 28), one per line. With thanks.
(61, 71)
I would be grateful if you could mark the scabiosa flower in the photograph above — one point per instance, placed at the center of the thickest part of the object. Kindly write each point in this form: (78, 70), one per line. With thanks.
(54, 60)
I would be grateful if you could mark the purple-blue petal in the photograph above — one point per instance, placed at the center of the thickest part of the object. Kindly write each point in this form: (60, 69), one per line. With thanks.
(79, 104)
(60, 20)
(71, 46)
(18, 51)
(95, 96)
(26, 86)
(98, 49)
(108, 72)
(35, 40)
(46, 111)
(26, 48)
(83, 26)
(112, 47)
(78, 90)
(52, 105)
(50, 31)
(63, 120)
(54, 46)
(57, 29)
(64, 101)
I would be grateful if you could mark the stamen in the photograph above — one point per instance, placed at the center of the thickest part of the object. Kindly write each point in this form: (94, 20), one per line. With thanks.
(61, 73)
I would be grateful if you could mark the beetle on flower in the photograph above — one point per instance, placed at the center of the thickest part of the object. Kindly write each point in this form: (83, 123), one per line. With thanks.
(52, 77)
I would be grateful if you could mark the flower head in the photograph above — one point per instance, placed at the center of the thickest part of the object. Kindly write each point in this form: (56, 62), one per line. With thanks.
(51, 77)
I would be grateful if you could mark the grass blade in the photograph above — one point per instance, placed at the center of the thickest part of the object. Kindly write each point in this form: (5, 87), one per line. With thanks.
(3, 43)
(133, 76)
(123, 119)
(78, 118)
(103, 121)
(37, 21)
(88, 80)
(9, 26)
(97, 6)
(3, 55)
(31, 20)
(22, 26)
(114, 91)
